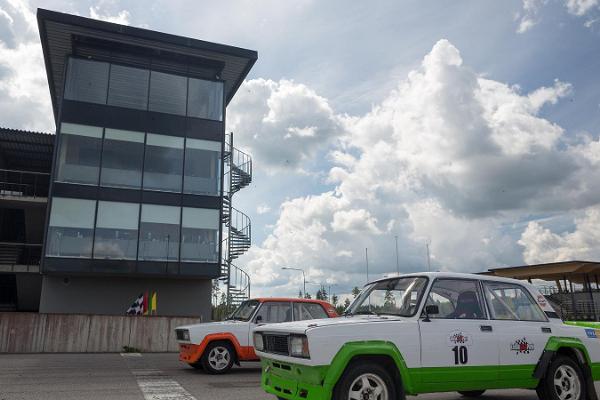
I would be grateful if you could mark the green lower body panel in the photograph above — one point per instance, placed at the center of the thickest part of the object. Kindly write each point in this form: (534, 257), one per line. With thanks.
(294, 382)
(449, 379)
(584, 324)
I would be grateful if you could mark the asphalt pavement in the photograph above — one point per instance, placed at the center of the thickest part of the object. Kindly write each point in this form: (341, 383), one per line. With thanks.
(143, 377)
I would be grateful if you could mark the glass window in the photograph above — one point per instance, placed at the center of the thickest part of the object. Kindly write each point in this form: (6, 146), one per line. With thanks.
(205, 99)
(168, 93)
(163, 163)
(202, 167)
(116, 230)
(200, 235)
(245, 310)
(304, 311)
(87, 81)
(457, 299)
(159, 233)
(275, 312)
(79, 154)
(122, 159)
(71, 228)
(399, 296)
(511, 302)
(128, 87)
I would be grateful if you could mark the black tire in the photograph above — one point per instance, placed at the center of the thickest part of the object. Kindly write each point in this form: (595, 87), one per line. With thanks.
(218, 358)
(197, 365)
(568, 371)
(375, 374)
(471, 393)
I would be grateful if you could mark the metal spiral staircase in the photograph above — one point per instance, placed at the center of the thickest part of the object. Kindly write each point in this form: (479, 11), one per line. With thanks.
(238, 174)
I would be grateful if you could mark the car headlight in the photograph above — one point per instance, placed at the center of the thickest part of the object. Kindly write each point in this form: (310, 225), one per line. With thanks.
(183, 334)
(299, 346)
(258, 342)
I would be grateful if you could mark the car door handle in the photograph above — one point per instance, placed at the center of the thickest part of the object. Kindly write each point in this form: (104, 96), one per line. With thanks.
(486, 328)
(546, 330)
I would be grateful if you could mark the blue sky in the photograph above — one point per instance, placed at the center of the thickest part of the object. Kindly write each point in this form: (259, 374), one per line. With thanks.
(468, 125)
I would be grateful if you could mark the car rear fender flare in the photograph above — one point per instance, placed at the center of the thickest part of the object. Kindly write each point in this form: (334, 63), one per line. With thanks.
(572, 346)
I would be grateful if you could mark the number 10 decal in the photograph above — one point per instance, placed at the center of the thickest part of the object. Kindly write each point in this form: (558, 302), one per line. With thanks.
(461, 355)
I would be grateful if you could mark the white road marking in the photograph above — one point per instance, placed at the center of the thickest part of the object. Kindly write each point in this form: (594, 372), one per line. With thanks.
(163, 389)
(131, 355)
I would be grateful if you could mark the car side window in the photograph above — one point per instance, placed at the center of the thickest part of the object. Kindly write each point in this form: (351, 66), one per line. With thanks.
(508, 301)
(304, 311)
(273, 312)
(457, 299)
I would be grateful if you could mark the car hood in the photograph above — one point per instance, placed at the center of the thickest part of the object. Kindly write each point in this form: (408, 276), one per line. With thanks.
(304, 326)
(219, 326)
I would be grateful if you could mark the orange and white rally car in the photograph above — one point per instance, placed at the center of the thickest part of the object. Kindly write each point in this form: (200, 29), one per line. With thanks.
(216, 346)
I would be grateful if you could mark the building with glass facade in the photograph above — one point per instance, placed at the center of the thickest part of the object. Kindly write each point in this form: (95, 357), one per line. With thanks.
(135, 201)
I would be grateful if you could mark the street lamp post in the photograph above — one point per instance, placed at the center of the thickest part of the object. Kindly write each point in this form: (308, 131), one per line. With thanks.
(303, 276)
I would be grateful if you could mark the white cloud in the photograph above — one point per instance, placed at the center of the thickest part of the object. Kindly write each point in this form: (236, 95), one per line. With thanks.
(580, 7)
(449, 156)
(263, 209)
(24, 95)
(529, 17)
(541, 245)
(281, 123)
(122, 17)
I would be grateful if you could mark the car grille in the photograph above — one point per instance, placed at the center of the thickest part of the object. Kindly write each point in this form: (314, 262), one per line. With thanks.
(277, 344)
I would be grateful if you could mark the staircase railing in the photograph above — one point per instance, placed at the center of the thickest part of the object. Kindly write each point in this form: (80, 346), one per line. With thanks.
(238, 225)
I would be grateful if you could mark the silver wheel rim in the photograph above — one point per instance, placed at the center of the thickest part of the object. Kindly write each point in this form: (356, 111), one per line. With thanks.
(567, 385)
(219, 358)
(368, 387)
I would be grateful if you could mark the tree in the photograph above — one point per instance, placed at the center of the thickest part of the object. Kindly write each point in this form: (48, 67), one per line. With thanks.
(307, 296)
(319, 295)
(389, 301)
(334, 300)
(355, 291)
(346, 303)
(300, 294)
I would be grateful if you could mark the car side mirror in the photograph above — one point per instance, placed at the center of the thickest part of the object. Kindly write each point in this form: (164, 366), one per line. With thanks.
(258, 319)
(431, 309)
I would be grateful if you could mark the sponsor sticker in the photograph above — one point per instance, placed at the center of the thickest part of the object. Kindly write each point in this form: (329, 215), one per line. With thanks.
(522, 346)
(459, 338)
(592, 333)
(542, 301)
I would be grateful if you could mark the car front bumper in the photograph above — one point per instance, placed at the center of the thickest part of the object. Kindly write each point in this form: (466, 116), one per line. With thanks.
(294, 381)
(190, 353)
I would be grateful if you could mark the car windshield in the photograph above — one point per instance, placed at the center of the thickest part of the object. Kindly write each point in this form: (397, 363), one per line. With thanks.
(400, 296)
(245, 310)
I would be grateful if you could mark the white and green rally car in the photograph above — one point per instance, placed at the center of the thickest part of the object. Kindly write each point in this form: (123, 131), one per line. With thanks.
(433, 332)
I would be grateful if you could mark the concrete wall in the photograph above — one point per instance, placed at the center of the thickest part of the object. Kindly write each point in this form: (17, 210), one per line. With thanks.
(73, 333)
(113, 295)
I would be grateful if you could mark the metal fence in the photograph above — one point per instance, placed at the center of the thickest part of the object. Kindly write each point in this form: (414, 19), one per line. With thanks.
(14, 183)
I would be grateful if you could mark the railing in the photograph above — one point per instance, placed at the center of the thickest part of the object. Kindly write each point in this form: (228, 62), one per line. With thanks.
(20, 253)
(14, 183)
(570, 307)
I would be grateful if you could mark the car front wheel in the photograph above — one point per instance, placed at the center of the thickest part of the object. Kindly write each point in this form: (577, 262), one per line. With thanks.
(564, 381)
(218, 358)
(365, 381)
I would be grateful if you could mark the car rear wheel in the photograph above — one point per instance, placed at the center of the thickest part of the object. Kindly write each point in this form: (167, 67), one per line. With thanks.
(472, 393)
(563, 381)
(365, 381)
(218, 358)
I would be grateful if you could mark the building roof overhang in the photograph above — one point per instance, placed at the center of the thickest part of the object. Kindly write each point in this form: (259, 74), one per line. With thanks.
(573, 271)
(59, 33)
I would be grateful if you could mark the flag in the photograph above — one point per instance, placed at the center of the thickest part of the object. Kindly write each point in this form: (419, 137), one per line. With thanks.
(146, 308)
(153, 303)
(137, 308)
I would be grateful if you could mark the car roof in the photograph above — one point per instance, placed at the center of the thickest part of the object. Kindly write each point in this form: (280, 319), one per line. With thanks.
(456, 275)
(291, 299)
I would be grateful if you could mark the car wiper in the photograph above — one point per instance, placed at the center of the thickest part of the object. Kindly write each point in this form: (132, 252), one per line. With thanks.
(366, 312)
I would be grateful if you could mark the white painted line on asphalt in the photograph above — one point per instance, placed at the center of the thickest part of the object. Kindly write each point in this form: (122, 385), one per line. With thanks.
(163, 389)
(131, 354)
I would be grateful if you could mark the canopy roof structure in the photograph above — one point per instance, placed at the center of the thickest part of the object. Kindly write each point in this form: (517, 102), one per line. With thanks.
(580, 272)
(25, 150)
(64, 34)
